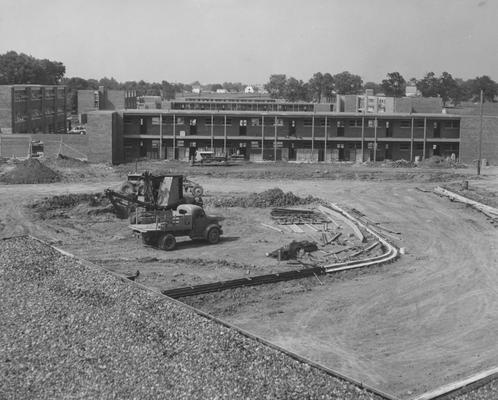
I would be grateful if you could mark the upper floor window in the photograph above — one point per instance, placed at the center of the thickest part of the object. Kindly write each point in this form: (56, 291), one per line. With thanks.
(453, 124)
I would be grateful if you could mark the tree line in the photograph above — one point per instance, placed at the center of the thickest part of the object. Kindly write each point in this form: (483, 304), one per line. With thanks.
(324, 87)
(321, 87)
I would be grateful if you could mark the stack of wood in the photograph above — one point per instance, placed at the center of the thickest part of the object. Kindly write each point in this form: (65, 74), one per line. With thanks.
(287, 216)
(490, 212)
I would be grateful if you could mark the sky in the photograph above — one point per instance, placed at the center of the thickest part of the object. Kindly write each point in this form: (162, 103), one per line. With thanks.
(215, 41)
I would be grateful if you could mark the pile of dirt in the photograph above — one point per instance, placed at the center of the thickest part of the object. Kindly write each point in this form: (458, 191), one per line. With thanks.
(269, 198)
(440, 162)
(30, 171)
(58, 206)
(399, 164)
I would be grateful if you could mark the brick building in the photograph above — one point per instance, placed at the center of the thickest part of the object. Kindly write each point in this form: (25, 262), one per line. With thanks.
(33, 109)
(105, 99)
(312, 135)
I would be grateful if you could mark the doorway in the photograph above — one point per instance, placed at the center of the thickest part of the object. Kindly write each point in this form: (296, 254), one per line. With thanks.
(292, 127)
(243, 127)
(193, 126)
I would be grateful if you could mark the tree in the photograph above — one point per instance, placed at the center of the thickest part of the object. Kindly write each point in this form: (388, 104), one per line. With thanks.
(215, 86)
(315, 85)
(394, 85)
(487, 85)
(23, 69)
(295, 90)
(110, 83)
(276, 85)
(448, 88)
(429, 85)
(320, 86)
(168, 90)
(235, 87)
(347, 83)
(377, 88)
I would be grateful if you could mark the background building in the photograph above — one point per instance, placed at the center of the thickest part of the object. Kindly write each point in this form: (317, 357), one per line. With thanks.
(33, 109)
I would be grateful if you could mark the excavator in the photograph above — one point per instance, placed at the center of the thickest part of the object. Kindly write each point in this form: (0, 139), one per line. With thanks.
(162, 208)
(143, 194)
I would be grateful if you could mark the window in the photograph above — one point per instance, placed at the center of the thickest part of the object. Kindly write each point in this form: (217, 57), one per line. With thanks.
(193, 121)
(404, 146)
(454, 124)
(155, 120)
(322, 122)
(256, 122)
(419, 123)
(180, 121)
(419, 146)
(308, 122)
(355, 123)
(405, 123)
(127, 119)
(280, 122)
(340, 124)
(243, 122)
(229, 121)
(255, 144)
(372, 123)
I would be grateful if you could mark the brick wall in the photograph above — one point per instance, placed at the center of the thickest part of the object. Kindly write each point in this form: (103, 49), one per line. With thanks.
(5, 109)
(469, 139)
(418, 105)
(100, 125)
(114, 100)
(85, 101)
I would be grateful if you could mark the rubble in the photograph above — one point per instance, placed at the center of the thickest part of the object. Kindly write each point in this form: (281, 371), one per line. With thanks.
(75, 331)
(269, 198)
(28, 172)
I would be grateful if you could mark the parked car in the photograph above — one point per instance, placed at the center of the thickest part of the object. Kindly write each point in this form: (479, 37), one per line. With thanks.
(78, 130)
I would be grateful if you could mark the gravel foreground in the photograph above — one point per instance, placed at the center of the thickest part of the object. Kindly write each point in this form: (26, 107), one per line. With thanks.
(76, 332)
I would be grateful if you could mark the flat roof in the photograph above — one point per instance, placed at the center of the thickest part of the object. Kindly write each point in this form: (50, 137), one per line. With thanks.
(156, 112)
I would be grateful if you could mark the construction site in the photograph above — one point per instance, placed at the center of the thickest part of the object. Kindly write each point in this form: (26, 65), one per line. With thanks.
(370, 281)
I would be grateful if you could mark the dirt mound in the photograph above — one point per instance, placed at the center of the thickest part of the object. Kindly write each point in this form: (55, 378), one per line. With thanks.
(59, 206)
(399, 164)
(269, 198)
(30, 171)
(440, 162)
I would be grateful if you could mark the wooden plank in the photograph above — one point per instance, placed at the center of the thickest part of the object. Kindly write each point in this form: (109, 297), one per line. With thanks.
(273, 227)
(313, 228)
(296, 228)
(365, 250)
(351, 224)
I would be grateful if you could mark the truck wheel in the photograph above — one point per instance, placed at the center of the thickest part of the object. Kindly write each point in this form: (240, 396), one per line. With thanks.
(167, 242)
(149, 239)
(197, 191)
(213, 235)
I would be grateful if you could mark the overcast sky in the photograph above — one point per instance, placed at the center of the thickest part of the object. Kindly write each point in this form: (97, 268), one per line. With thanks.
(248, 40)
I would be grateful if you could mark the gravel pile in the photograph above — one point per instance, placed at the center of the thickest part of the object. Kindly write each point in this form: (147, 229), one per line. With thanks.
(30, 171)
(269, 198)
(486, 392)
(73, 331)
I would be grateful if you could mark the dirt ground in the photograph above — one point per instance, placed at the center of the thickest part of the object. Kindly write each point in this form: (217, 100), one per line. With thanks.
(405, 328)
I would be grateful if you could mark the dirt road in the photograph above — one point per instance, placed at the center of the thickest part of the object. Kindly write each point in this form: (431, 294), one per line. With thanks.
(405, 328)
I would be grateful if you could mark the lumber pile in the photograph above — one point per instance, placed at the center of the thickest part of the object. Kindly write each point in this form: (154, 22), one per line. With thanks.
(489, 211)
(294, 216)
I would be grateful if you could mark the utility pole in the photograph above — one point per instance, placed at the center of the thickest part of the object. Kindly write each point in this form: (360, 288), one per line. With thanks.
(480, 137)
